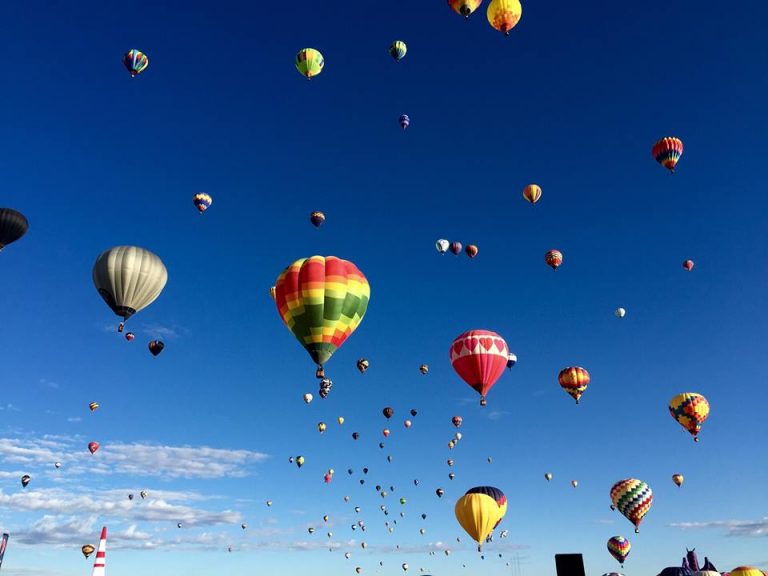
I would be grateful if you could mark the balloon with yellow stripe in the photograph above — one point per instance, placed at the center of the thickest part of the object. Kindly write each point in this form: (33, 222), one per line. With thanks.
(309, 62)
(322, 300)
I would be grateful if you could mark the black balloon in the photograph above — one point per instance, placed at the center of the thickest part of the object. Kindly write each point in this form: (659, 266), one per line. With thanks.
(13, 225)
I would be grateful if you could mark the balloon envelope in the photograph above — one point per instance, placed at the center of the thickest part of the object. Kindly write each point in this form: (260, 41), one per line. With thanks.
(129, 278)
(322, 300)
(479, 358)
(13, 225)
(309, 62)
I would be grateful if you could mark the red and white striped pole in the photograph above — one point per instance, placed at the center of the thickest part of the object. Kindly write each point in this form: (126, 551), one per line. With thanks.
(99, 565)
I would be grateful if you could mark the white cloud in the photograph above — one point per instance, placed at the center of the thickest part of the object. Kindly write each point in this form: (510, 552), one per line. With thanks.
(74, 419)
(136, 459)
(55, 502)
(733, 527)
(162, 331)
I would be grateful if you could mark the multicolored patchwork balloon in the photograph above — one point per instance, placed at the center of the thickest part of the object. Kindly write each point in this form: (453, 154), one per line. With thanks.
(135, 62)
(690, 410)
(202, 201)
(667, 152)
(633, 498)
(574, 380)
(479, 357)
(322, 300)
(619, 548)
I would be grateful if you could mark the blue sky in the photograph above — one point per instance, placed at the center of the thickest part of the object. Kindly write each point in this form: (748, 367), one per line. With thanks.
(572, 100)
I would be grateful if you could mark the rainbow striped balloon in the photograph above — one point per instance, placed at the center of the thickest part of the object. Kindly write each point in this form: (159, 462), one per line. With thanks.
(619, 548)
(322, 300)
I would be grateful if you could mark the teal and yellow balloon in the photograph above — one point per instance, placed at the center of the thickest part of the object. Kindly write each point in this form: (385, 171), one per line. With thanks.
(322, 300)
(135, 62)
(309, 62)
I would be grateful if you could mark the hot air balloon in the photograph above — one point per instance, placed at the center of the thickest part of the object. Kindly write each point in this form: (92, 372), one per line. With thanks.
(404, 121)
(202, 202)
(340, 420)
(321, 427)
(156, 346)
(479, 358)
(311, 530)
(548, 476)
(317, 219)
(322, 301)
(299, 461)
(439, 492)
(471, 250)
(620, 312)
(423, 368)
(130, 496)
(388, 412)
(143, 494)
(93, 406)
(678, 479)
(362, 365)
(307, 398)
(457, 420)
(504, 15)
(57, 465)
(511, 360)
(619, 548)
(87, 550)
(532, 193)
(574, 380)
(690, 410)
(135, 62)
(129, 279)
(355, 435)
(309, 62)
(13, 225)
(575, 483)
(178, 525)
(464, 7)
(407, 423)
(746, 571)
(92, 447)
(385, 432)
(398, 50)
(633, 498)
(479, 513)
(688, 265)
(553, 258)
(25, 480)
(272, 292)
(667, 152)
(442, 246)
(405, 567)
(451, 475)
(130, 336)
(455, 248)
(413, 412)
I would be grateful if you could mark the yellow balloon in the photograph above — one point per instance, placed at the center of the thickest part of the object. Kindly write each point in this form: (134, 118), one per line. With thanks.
(746, 571)
(340, 419)
(478, 514)
(504, 15)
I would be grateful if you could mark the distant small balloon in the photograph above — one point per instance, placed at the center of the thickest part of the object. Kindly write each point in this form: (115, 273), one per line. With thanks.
(317, 219)
(130, 336)
(308, 398)
(620, 312)
(688, 265)
(423, 368)
(471, 250)
(442, 246)
(404, 121)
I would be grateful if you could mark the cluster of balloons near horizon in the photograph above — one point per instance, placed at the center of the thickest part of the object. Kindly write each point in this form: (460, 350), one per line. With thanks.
(444, 246)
